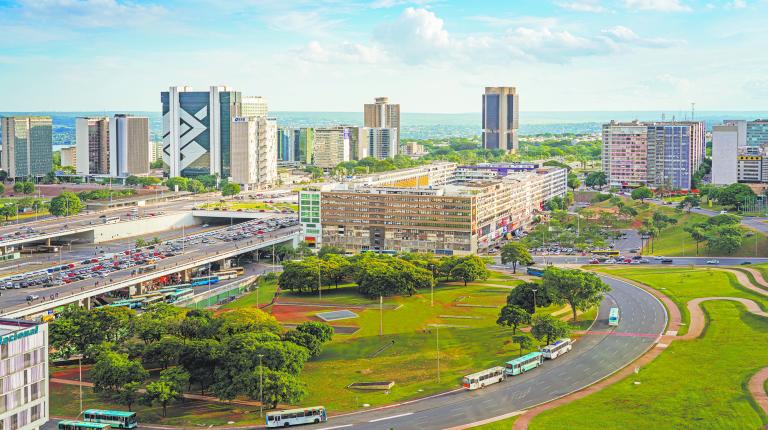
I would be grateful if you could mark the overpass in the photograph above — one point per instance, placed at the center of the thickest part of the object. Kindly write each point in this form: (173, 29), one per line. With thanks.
(209, 253)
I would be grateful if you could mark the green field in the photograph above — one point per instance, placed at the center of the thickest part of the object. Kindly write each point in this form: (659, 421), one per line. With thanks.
(692, 384)
(498, 425)
(262, 295)
(682, 284)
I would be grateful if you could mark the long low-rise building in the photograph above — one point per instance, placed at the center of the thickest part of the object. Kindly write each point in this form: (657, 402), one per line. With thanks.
(455, 217)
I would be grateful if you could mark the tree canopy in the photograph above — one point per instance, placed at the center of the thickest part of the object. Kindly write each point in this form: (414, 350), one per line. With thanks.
(581, 290)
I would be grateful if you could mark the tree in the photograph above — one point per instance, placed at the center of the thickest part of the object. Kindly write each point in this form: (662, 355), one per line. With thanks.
(230, 189)
(18, 187)
(735, 195)
(182, 183)
(199, 359)
(335, 268)
(65, 204)
(114, 322)
(515, 252)
(387, 276)
(523, 296)
(140, 242)
(163, 352)
(113, 370)
(311, 335)
(470, 268)
(641, 194)
(160, 392)
(581, 290)
(690, 201)
(2, 188)
(549, 328)
(128, 394)
(698, 234)
(195, 186)
(596, 180)
(328, 249)
(573, 181)
(513, 316)
(248, 320)
(28, 187)
(278, 387)
(524, 341)
(176, 377)
(302, 276)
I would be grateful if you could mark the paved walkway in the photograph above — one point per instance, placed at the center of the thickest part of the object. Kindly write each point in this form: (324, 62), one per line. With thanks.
(746, 282)
(697, 323)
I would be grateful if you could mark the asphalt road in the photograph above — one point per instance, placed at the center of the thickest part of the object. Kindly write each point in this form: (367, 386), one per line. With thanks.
(14, 298)
(595, 356)
(757, 223)
(676, 261)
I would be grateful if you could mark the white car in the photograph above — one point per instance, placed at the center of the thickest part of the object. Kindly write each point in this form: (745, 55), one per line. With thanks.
(713, 261)
(723, 212)
(610, 261)
(658, 257)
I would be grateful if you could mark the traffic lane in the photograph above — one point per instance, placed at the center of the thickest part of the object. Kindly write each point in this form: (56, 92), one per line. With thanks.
(11, 298)
(593, 357)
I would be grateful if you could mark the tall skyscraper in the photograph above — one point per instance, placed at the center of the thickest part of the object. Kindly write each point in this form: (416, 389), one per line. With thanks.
(501, 113)
(359, 142)
(196, 130)
(254, 151)
(331, 146)
(27, 146)
(254, 106)
(129, 150)
(382, 143)
(92, 143)
(652, 153)
(383, 114)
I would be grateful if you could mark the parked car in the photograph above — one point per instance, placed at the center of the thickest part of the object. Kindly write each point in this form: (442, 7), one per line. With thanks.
(666, 261)
(713, 261)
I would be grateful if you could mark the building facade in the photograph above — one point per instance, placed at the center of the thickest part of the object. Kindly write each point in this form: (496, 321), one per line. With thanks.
(449, 218)
(382, 143)
(725, 145)
(68, 156)
(491, 171)
(254, 152)
(254, 106)
(296, 144)
(129, 148)
(331, 146)
(382, 114)
(24, 400)
(652, 153)
(501, 113)
(27, 146)
(196, 130)
(156, 151)
(92, 142)
(757, 132)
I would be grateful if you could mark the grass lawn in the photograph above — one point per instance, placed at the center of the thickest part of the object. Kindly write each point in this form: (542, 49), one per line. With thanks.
(346, 294)
(410, 357)
(688, 386)
(262, 296)
(498, 425)
(682, 284)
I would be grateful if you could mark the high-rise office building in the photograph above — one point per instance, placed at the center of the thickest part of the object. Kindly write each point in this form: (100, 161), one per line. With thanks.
(24, 372)
(359, 143)
(741, 129)
(254, 152)
(382, 114)
(382, 143)
(254, 106)
(27, 146)
(92, 142)
(196, 130)
(725, 146)
(68, 156)
(501, 113)
(757, 132)
(331, 146)
(652, 153)
(155, 151)
(286, 145)
(296, 144)
(128, 145)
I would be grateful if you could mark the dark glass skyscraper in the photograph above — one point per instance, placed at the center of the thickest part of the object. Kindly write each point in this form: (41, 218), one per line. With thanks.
(501, 112)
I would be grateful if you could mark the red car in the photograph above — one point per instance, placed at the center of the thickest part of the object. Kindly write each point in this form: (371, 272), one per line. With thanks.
(594, 261)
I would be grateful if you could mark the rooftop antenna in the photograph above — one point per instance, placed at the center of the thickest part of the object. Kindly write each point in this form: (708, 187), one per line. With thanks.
(693, 109)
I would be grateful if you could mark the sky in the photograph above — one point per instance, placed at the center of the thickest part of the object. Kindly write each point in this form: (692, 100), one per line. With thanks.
(428, 55)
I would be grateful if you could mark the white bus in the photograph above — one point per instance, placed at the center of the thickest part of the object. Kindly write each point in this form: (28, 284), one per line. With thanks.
(110, 219)
(292, 417)
(484, 378)
(613, 317)
(557, 349)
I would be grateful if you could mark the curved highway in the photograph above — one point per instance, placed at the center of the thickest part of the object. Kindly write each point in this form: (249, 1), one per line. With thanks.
(596, 355)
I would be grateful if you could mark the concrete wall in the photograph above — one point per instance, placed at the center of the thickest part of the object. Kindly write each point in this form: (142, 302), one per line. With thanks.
(144, 226)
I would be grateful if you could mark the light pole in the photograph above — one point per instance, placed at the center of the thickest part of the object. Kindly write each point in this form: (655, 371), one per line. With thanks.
(534, 299)
(319, 284)
(437, 342)
(381, 315)
(261, 387)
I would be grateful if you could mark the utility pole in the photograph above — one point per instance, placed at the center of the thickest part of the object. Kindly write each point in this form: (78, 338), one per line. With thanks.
(261, 387)
(438, 352)
(381, 315)
(534, 299)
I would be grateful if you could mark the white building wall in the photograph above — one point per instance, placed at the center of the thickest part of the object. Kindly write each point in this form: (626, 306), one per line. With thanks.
(81, 145)
(725, 142)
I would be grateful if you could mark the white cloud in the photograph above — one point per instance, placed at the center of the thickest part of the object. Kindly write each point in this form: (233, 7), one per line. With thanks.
(341, 53)
(657, 5)
(93, 13)
(675, 83)
(583, 6)
(417, 35)
(736, 4)
(623, 35)
(382, 4)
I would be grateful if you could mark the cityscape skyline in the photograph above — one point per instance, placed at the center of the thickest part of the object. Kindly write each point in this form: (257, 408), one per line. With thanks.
(350, 54)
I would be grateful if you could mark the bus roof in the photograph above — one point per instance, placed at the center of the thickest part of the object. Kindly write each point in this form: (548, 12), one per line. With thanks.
(525, 357)
(495, 368)
(290, 411)
(614, 311)
(110, 412)
(84, 424)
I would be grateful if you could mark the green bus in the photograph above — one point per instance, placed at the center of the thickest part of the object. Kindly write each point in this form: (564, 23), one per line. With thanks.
(81, 425)
(116, 419)
(613, 317)
(524, 363)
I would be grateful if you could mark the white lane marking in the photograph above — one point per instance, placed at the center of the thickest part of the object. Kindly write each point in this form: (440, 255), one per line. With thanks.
(336, 427)
(390, 418)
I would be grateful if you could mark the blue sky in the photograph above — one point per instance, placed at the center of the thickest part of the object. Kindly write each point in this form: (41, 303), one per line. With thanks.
(428, 55)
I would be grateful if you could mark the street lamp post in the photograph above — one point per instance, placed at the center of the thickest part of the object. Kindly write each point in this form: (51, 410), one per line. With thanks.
(261, 387)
